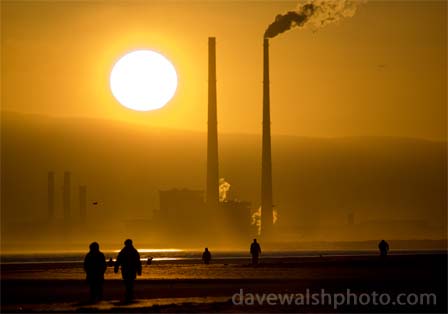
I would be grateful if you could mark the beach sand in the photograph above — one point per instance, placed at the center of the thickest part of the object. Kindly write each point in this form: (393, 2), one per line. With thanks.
(180, 286)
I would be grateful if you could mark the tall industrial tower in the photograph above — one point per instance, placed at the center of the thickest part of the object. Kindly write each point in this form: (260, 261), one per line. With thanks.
(212, 190)
(266, 162)
(50, 195)
(67, 196)
(82, 203)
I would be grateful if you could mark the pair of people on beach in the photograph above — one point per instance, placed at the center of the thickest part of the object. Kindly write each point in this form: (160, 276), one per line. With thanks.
(95, 267)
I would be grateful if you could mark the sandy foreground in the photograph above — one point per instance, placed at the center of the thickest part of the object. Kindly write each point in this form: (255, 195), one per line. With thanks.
(193, 287)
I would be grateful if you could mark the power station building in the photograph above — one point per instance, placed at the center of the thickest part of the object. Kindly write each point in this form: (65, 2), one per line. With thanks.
(185, 213)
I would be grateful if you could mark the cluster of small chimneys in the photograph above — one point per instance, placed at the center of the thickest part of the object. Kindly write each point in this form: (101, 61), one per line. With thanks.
(66, 196)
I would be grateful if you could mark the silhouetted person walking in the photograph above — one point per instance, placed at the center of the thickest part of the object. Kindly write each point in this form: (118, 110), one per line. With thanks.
(384, 248)
(255, 251)
(206, 256)
(95, 266)
(129, 260)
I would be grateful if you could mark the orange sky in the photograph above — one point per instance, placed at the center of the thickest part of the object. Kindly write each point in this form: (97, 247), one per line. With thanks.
(381, 72)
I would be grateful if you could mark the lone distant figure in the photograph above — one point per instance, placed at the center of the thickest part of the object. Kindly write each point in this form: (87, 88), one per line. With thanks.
(384, 248)
(255, 251)
(206, 256)
(95, 266)
(129, 260)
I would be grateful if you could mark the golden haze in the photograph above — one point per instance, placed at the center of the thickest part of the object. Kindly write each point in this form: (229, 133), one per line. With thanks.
(373, 74)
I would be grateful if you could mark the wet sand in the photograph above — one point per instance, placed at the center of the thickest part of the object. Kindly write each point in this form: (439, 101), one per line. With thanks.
(193, 287)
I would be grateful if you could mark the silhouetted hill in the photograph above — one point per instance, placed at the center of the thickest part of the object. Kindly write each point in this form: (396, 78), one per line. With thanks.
(317, 181)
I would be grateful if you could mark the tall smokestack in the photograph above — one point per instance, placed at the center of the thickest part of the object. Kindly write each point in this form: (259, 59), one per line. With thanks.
(50, 195)
(266, 163)
(82, 202)
(66, 196)
(212, 191)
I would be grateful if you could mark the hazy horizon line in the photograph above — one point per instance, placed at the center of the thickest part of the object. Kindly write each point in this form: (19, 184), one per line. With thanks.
(158, 128)
(108, 247)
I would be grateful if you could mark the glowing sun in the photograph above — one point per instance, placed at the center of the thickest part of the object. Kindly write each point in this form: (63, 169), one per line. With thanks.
(143, 80)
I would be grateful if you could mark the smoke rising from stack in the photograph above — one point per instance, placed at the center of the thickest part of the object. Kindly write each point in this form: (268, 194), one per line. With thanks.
(274, 216)
(224, 188)
(314, 14)
(256, 218)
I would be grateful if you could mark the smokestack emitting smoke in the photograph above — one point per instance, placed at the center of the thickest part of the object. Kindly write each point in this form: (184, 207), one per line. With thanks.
(51, 195)
(66, 196)
(212, 190)
(82, 202)
(312, 13)
(266, 164)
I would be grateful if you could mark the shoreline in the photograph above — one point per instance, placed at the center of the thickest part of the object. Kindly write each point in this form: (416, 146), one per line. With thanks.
(218, 257)
(369, 245)
(33, 290)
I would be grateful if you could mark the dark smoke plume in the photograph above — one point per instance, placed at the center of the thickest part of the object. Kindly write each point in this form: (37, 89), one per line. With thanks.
(312, 13)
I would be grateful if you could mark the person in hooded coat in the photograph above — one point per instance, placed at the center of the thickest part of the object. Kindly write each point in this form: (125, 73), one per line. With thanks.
(131, 266)
(95, 267)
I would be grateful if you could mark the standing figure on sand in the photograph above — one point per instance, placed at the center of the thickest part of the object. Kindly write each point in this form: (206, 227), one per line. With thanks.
(131, 266)
(383, 246)
(95, 267)
(206, 256)
(255, 251)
